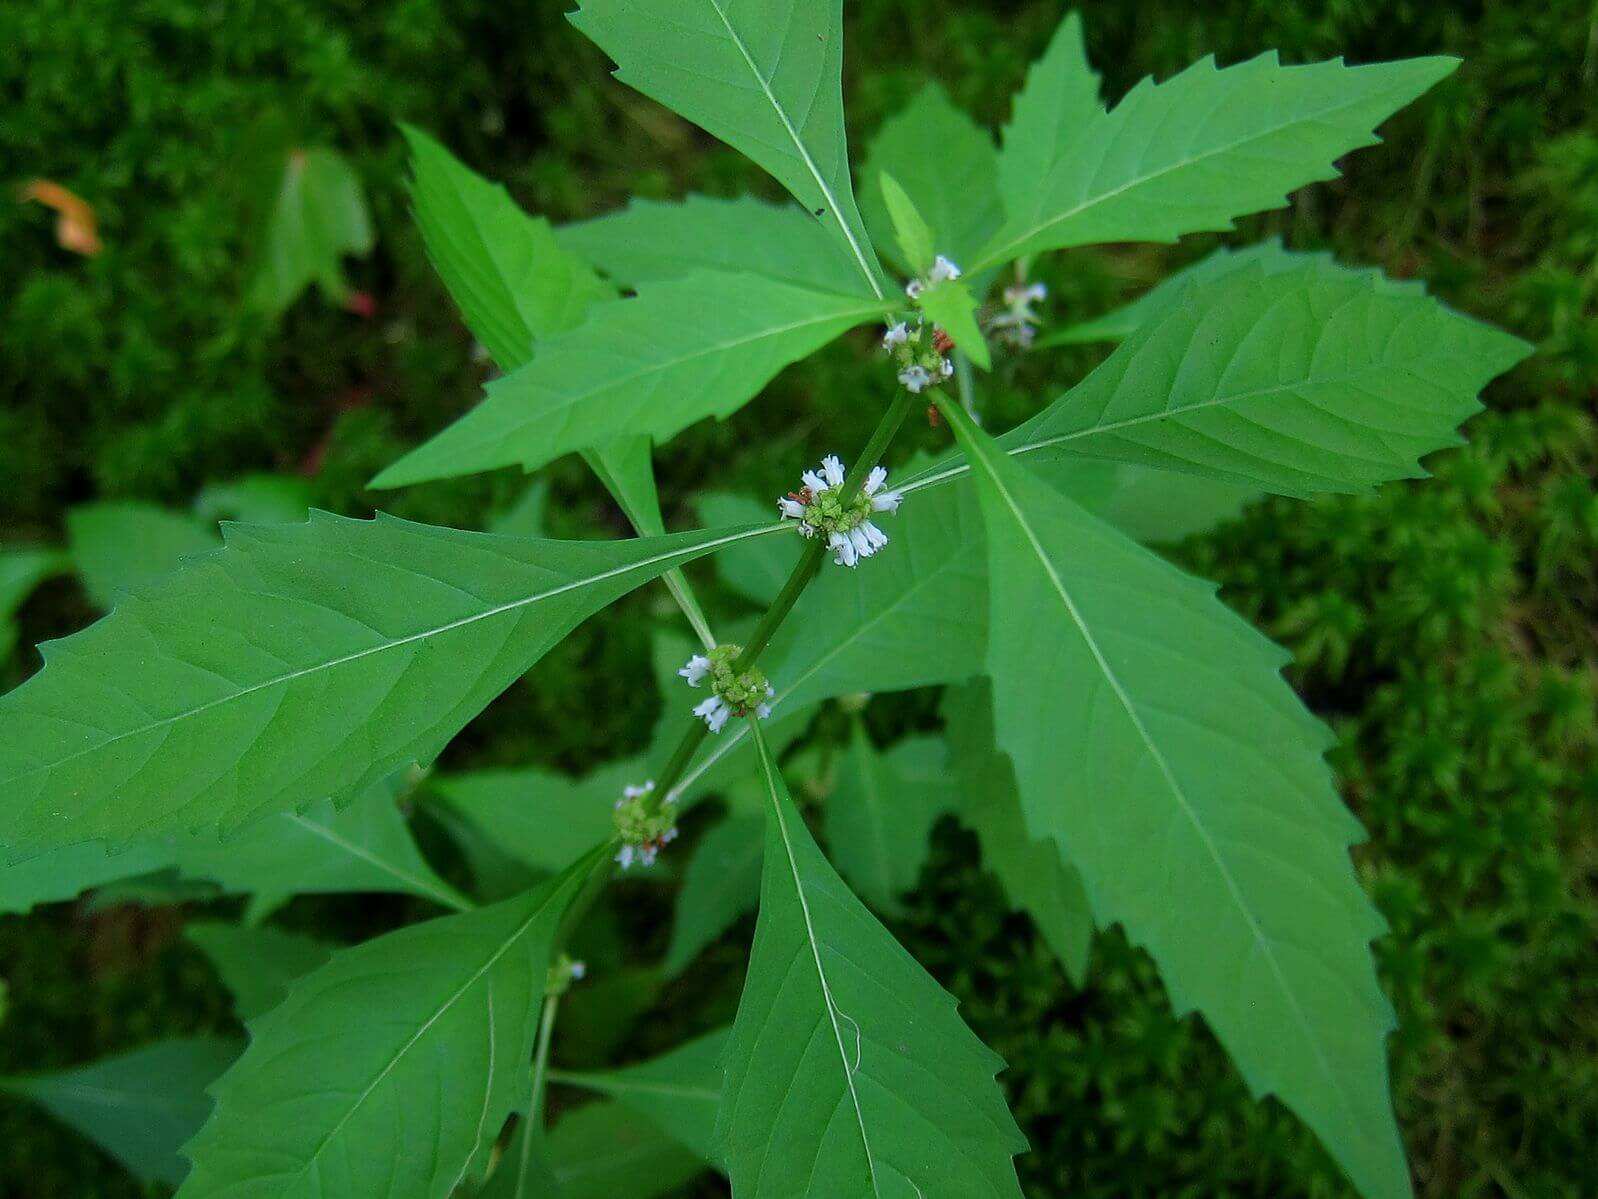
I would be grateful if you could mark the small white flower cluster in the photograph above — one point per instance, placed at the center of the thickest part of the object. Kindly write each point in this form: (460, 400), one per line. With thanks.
(1018, 324)
(646, 853)
(644, 832)
(942, 272)
(735, 692)
(821, 509)
(913, 376)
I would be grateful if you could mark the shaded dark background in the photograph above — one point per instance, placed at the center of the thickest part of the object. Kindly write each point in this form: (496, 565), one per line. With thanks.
(1445, 628)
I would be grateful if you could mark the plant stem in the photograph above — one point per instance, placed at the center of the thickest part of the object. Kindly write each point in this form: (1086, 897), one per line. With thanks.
(803, 571)
(546, 1032)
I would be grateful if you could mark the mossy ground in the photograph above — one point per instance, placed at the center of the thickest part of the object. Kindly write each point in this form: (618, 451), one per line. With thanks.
(1446, 628)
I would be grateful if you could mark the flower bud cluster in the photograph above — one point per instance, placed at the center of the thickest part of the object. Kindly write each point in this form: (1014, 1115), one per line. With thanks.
(734, 692)
(1017, 322)
(643, 825)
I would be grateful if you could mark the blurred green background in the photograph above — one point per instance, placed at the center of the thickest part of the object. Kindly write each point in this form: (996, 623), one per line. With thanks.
(1445, 628)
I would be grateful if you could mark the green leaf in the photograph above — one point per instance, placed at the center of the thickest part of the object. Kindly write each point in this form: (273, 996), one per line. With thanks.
(365, 846)
(950, 304)
(23, 568)
(299, 662)
(1307, 380)
(528, 515)
(516, 286)
(68, 873)
(599, 1019)
(766, 78)
(1152, 506)
(605, 1150)
(849, 1073)
(319, 216)
(650, 241)
(1191, 154)
(1270, 256)
(1057, 105)
(256, 964)
(256, 499)
(537, 816)
(881, 812)
(720, 884)
(513, 281)
(126, 544)
(924, 147)
(390, 1070)
(678, 352)
(679, 1091)
(141, 1106)
(910, 229)
(1034, 874)
(1153, 736)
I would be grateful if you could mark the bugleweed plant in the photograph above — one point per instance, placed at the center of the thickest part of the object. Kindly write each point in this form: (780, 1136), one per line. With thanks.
(1122, 743)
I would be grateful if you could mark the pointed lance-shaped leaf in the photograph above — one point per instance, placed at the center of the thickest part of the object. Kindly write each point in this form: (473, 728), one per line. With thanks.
(849, 1073)
(139, 1106)
(926, 146)
(1034, 873)
(1196, 152)
(766, 78)
(1055, 107)
(516, 285)
(679, 1091)
(1269, 255)
(1155, 740)
(679, 351)
(881, 811)
(649, 241)
(390, 1070)
(513, 281)
(298, 662)
(1306, 380)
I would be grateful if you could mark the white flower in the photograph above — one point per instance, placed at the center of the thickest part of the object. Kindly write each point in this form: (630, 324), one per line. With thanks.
(763, 711)
(698, 667)
(624, 855)
(790, 508)
(896, 335)
(914, 378)
(888, 501)
(875, 480)
(814, 481)
(844, 552)
(947, 368)
(914, 288)
(942, 270)
(833, 470)
(634, 792)
(577, 970)
(714, 712)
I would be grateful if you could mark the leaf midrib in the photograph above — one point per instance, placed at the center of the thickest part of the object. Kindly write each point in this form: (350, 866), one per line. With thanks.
(981, 452)
(954, 472)
(804, 150)
(515, 935)
(768, 768)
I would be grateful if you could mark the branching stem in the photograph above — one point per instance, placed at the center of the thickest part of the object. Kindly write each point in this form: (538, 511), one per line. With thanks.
(803, 571)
